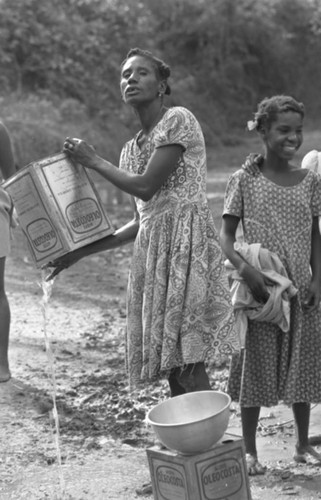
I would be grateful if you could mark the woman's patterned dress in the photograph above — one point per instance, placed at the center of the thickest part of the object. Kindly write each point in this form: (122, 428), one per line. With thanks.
(179, 308)
(279, 366)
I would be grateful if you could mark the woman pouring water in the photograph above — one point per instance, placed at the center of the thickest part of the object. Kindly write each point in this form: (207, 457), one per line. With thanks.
(179, 313)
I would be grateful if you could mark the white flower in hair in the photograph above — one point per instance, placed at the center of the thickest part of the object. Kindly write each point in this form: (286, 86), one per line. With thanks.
(251, 125)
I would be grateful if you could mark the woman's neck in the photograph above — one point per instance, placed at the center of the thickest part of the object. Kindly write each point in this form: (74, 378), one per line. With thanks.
(150, 115)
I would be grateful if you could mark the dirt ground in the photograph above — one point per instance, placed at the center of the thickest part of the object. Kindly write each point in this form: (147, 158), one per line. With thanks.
(69, 349)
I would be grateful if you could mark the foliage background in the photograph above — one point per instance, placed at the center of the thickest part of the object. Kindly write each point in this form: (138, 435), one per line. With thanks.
(60, 63)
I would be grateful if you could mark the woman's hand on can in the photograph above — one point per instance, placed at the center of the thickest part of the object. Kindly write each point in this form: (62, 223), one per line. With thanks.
(80, 151)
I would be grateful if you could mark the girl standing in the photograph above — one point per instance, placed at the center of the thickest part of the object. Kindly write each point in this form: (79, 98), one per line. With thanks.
(179, 311)
(279, 208)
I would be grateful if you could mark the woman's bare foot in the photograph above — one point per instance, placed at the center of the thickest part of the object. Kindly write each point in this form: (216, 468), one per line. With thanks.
(303, 454)
(254, 467)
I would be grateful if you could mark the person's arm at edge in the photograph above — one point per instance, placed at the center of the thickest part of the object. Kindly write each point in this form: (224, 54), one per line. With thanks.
(316, 249)
(7, 164)
(314, 295)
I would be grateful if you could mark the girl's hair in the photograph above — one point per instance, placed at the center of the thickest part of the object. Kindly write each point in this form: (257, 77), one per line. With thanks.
(270, 107)
(162, 69)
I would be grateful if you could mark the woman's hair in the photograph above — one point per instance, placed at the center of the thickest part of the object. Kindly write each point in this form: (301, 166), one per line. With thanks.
(162, 69)
(270, 107)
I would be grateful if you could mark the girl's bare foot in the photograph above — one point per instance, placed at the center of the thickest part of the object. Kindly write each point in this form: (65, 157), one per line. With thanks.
(303, 454)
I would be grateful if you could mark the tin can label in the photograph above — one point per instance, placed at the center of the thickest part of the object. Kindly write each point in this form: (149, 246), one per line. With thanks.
(170, 482)
(221, 479)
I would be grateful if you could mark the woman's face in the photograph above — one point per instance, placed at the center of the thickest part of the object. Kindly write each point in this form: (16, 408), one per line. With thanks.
(139, 82)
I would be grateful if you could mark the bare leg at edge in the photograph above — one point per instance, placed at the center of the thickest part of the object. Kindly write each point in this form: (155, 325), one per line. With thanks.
(4, 327)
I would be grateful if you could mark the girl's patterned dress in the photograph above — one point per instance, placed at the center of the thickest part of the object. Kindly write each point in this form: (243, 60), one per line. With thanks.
(277, 365)
(179, 309)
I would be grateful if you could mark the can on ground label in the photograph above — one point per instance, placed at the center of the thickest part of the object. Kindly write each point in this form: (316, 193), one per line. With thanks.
(216, 474)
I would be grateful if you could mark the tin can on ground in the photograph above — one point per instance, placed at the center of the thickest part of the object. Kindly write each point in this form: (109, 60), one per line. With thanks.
(58, 207)
(216, 474)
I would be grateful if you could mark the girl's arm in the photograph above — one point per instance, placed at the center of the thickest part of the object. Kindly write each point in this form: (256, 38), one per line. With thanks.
(228, 238)
(254, 279)
(314, 294)
(143, 186)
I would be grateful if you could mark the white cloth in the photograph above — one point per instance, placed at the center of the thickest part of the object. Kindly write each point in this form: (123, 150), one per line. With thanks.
(277, 308)
(312, 161)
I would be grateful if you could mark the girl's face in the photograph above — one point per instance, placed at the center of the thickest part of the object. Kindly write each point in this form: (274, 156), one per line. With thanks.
(284, 135)
(139, 82)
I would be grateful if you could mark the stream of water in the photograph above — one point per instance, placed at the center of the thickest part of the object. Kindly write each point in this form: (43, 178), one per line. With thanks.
(47, 290)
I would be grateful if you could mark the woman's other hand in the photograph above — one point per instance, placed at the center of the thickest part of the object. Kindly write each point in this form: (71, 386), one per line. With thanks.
(62, 263)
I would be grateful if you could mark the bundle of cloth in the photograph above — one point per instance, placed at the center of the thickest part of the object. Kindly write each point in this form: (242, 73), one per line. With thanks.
(277, 308)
